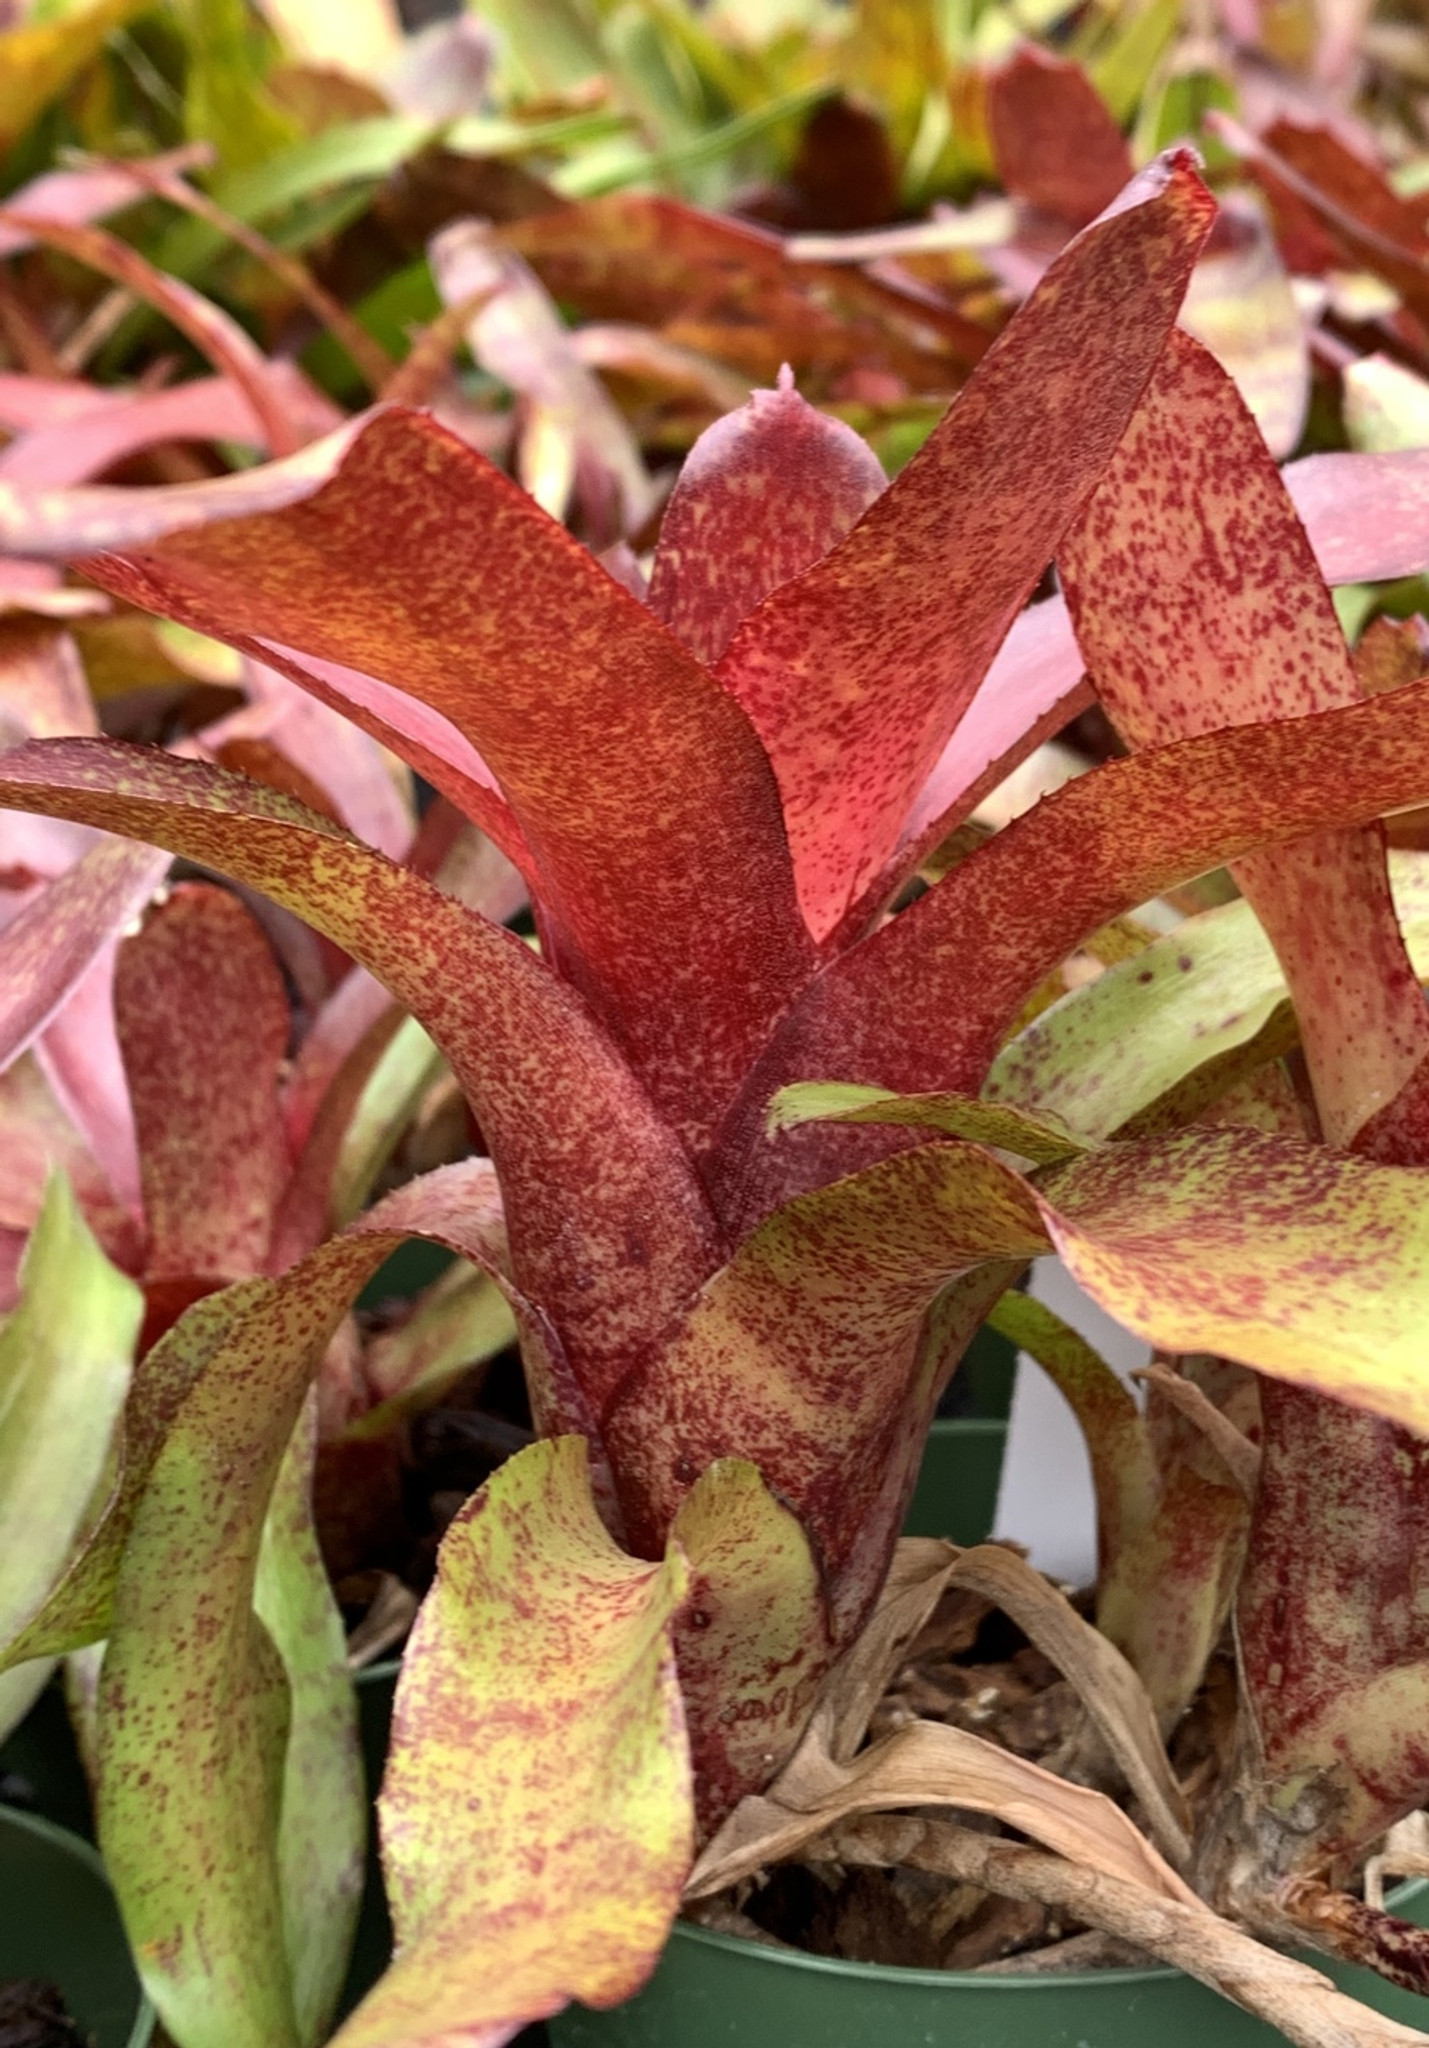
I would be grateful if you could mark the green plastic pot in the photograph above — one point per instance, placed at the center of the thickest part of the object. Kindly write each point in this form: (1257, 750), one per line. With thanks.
(59, 1922)
(714, 1991)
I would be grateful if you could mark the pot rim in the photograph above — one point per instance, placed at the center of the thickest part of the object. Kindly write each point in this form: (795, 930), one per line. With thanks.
(967, 1980)
(85, 1854)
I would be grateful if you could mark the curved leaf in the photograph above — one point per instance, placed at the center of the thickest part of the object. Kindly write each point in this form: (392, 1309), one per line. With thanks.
(1110, 1049)
(764, 492)
(578, 1146)
(536, 1810)
(195, 1706)
(857, 672)
(924, 1001)
(1216, 1240)
(803, 1356)
(66, 1353)
(48, 947)
(479, 606)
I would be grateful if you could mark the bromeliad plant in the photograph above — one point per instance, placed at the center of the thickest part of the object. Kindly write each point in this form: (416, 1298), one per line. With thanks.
(733, 1345)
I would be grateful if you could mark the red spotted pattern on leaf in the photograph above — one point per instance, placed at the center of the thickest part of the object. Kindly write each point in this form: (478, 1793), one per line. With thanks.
(470, 599)
(202, 1016)
(858, 671)
(764, 492)
(557, 1104)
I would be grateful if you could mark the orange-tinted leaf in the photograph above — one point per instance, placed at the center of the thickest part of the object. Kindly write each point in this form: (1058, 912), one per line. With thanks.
(727, 288)
(536, 1814)
(857, 672)
(1215, 1240)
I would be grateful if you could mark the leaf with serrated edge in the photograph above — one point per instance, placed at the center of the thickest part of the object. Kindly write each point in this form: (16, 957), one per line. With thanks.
(66, 1354)
(536, 1811)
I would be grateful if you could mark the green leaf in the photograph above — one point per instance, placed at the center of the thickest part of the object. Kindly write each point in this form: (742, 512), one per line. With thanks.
(1305, 1263)
(66, 1353)
(322, 1820)
(38, 59)
(536, 1816)
(1210, 990)
(209, 1747)
(1040, 1139)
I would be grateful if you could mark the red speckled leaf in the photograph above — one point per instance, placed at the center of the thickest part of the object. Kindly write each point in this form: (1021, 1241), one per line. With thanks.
(1054, 140)
(1198, 603)
(764, 492)
(421, 564)
(536, 1817)
(858, 671)
(752, 1641)
(193, 1699)
(47, 950)
(1340, 1684)
(802, 1355)
(202, 1016)
(584, 1160)
(922, 1004)
(1308, 1264)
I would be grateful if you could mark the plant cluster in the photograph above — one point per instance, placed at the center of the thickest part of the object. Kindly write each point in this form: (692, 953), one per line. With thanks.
(772, 1107)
